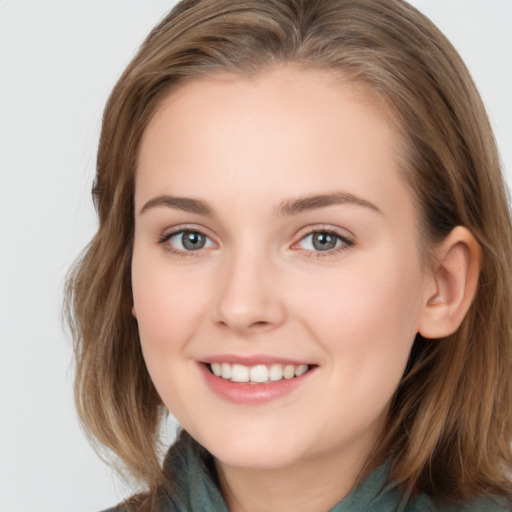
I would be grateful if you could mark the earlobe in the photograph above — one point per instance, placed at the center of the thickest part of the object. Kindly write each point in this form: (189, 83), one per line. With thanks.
(454, 280)
(134, 313)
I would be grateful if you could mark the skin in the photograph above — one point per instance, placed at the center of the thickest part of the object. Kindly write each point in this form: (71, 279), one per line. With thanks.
(245, 148)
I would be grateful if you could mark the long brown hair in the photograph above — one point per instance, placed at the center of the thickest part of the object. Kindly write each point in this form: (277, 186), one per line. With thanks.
(450, 425)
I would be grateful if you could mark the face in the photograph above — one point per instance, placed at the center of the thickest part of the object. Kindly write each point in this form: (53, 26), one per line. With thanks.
(277, 280)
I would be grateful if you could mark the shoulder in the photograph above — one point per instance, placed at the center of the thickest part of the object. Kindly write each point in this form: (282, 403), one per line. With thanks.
(483, 504)
(159, 505)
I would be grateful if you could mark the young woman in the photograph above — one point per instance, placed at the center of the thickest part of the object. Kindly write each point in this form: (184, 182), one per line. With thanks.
(303, 255)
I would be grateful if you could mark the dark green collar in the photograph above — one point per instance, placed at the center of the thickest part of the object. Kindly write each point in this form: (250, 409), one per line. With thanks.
(196, 489)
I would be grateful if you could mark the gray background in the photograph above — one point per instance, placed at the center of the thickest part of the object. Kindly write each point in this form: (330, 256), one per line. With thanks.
(58, 62)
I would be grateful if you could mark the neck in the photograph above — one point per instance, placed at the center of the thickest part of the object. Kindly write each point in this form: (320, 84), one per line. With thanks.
(311, 485)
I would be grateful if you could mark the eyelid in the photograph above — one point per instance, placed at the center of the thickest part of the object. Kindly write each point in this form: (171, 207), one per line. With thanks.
(343, 233)
(176, 230)
(347, 240)
(346, 237)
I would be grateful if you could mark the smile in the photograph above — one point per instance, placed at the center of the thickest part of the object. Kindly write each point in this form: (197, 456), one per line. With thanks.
(257, 374)
(255, 382)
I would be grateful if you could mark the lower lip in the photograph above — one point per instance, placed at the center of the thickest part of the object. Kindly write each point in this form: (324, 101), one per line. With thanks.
(245, 393)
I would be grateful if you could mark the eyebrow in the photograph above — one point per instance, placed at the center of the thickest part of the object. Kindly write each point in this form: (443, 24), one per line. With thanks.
(304, 204)
(288, 207)
(185, 204)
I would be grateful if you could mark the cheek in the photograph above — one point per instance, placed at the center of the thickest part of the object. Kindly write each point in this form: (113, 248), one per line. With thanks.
(166, 307)
(369, 311)
(366, 323)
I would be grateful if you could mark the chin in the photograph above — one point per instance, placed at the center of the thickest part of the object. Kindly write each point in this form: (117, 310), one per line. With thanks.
(247, 452)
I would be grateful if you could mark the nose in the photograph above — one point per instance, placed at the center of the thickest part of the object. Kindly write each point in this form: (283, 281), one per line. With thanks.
(250, 298)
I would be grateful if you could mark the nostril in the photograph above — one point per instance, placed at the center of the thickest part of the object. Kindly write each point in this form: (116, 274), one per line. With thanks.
(259, 324)
(245, 326)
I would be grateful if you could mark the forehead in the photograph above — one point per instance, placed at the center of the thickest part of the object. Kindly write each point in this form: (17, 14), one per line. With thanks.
(285, 130)
(284, 93)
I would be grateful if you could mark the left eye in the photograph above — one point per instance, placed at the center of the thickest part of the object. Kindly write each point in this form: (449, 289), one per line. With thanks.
(322, 241)
(189, 241)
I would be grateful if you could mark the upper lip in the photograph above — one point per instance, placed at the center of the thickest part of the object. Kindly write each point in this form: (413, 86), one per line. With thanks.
(253, 360)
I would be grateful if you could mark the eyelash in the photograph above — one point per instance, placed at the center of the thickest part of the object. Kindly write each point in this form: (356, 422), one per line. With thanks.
(346, 242)
(178, 252)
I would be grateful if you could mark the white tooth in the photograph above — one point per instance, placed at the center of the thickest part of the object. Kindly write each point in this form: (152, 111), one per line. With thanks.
(239, 373)
(258, 373)
(289, 371)
(216, 369)
(226, 370)
(301, 370)
(275, 372)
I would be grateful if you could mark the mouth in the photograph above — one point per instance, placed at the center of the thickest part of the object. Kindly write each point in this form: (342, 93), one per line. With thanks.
(258, 373)
(255, 380)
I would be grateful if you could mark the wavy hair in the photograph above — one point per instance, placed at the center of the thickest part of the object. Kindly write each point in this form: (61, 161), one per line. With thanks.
(449, 429)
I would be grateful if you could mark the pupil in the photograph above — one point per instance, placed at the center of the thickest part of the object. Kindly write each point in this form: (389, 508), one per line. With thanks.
(324, 241)
(192, 240)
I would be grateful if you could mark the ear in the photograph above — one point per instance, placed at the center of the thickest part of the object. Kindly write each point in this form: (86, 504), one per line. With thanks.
(452, 284)
(134, 313)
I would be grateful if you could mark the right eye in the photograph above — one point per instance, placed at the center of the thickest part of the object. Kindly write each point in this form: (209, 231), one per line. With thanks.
(186, 241)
